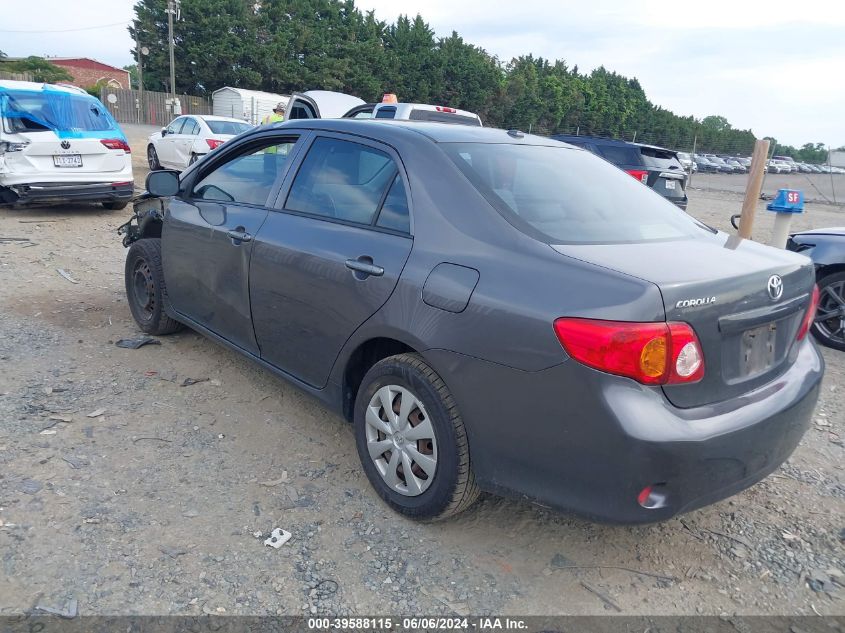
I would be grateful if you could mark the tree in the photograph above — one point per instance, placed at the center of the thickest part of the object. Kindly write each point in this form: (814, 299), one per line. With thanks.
(39, 68)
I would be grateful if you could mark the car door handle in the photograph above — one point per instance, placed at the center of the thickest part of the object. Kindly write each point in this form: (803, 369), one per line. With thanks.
(365, 266)
(239, 235)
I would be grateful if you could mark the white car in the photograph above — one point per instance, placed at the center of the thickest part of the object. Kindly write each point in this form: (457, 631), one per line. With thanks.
(190, 137)
(59, 144)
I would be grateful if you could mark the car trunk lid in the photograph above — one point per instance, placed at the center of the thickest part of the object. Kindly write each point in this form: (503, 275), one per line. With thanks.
(44, 153)
(720, 286)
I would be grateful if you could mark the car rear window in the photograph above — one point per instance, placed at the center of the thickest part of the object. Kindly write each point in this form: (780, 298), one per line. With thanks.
(27, 110)
(227, 127)
(659, 158)
(567, 196)
(620, 155)
(442, 117)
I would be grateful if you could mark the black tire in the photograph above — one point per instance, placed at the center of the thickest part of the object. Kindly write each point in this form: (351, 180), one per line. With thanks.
(192, 160)
(830, 332)
(453, 488)
(152, 158)
(145, 289)
(115, 206)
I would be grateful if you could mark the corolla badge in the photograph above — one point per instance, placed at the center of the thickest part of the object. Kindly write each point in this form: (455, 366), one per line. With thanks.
(775, 287)
(65, 144)
(692, 303)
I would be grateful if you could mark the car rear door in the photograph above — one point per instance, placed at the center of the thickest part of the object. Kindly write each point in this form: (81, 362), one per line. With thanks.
(330, 257)
(209, 232)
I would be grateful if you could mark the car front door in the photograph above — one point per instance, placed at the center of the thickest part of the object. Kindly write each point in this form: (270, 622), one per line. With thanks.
(209, 232)
(165, 148)
(183, 144)
(330, 257)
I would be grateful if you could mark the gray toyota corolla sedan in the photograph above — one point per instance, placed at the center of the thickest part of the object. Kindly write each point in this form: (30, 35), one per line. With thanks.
(490, 310)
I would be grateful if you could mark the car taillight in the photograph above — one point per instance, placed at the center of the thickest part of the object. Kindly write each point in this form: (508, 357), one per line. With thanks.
(213, 143)
(449, 110)
(650, 353)
(116, 143)
(639, 174)
(810, 316)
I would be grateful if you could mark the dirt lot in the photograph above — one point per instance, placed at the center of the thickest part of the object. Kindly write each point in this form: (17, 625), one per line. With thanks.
(131, 493)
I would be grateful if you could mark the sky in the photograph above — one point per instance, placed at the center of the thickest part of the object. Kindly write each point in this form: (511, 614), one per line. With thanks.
(773, 66)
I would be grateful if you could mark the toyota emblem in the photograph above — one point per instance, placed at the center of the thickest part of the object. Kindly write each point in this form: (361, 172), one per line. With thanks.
(65, 145)
(775, 287)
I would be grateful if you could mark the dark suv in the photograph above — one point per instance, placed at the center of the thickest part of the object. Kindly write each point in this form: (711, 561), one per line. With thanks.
(656, 167)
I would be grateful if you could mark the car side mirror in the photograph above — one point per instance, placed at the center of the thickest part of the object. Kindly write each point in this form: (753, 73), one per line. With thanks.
(164, 131)
(163, 183)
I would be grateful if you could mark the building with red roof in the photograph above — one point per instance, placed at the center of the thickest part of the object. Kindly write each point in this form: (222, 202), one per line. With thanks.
(88, 72)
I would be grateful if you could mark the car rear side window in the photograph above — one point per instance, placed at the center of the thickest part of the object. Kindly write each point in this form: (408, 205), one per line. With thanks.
(394, 212)
(343, 180)
(620, 155)
(568, 196)
(191, 127)
(386, 113)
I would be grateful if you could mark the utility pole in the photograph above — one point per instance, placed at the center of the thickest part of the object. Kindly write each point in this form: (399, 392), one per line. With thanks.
(171, 10)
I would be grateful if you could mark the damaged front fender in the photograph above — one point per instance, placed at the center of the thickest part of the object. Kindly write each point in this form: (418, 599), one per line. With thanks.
(146, 220)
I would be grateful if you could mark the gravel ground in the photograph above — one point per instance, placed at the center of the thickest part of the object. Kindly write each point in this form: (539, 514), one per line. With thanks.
(130, 493)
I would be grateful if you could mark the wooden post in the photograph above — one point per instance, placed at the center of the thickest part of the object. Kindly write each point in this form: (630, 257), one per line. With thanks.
(753, 188)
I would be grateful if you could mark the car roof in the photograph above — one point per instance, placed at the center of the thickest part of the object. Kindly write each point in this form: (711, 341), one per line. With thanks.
(388, 129)
(32, 86)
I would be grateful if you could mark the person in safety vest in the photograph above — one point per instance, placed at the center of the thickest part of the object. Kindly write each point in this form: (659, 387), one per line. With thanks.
(276, 116)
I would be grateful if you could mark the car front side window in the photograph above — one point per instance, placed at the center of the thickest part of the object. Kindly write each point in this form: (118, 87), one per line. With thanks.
(248, 177)
(175, 126)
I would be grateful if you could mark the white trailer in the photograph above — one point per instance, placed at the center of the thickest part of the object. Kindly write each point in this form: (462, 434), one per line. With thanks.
(250, 105)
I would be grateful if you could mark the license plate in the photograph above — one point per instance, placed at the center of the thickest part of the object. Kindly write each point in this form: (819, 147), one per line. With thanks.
(670, 184)
(758, 349)
(68, 160)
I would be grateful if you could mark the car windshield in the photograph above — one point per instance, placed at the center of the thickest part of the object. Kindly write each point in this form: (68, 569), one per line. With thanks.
(561, 195)
(29, 111)
(418, 114)
(227, 127)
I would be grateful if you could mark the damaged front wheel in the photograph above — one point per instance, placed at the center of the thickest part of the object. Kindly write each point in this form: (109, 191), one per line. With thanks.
(145, 289)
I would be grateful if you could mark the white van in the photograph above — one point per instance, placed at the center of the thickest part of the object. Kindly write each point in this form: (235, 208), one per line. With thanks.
(59, 144)
(325, 104)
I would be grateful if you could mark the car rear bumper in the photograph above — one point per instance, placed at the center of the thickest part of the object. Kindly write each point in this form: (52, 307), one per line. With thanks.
(64, 191)
(577, 439)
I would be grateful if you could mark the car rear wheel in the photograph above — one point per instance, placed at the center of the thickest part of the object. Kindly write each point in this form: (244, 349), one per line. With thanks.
(193, 159)
(412, 441)
(115, 206)
(152, 158)
(145, 289)
(829, 325)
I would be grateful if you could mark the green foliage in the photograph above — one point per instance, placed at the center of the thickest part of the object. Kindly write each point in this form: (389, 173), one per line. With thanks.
(132, 69)
(808, 153)
(294, 45)
(40, 69)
